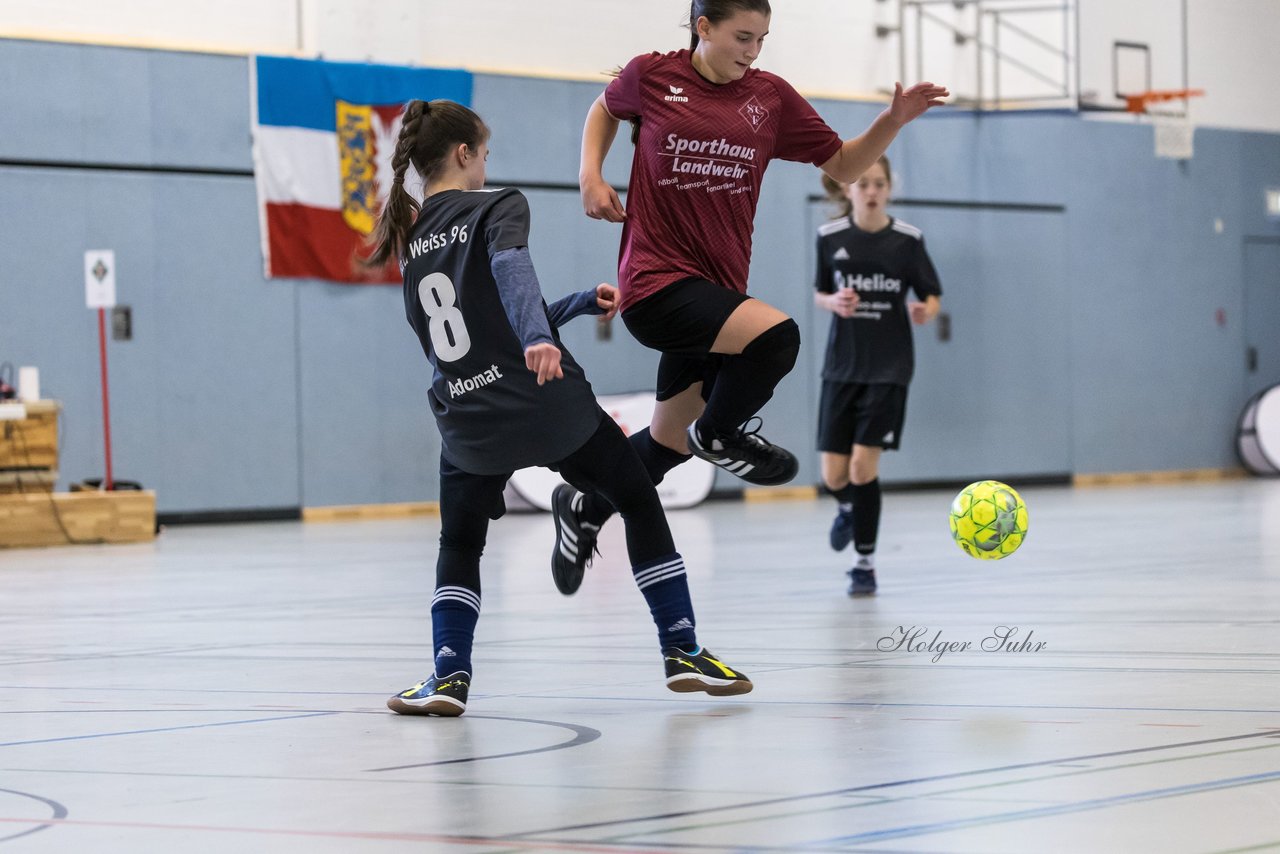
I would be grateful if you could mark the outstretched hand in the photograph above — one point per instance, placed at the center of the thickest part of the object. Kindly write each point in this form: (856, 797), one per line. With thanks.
(913, 102)
(607, 299)
(544, 360)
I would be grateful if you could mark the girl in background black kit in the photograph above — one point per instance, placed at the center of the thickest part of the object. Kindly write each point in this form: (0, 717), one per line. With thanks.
(867, 262)
(506, 394)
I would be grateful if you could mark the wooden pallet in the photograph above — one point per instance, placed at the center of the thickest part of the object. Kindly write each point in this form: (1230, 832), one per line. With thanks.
(31, 443)
(37, 480)
(63, 518)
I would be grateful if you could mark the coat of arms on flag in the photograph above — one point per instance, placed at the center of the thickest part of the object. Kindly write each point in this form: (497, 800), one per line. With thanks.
(323, 136)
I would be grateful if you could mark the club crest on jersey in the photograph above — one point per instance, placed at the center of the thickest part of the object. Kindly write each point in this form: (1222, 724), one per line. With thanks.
(366, 140)
(676, 95)
(754, 112)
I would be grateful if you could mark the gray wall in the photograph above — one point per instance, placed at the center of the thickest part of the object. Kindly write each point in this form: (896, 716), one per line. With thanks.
(1084, 339)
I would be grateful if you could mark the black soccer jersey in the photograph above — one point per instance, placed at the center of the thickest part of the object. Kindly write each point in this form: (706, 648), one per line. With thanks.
(493, 416)
(875, 345)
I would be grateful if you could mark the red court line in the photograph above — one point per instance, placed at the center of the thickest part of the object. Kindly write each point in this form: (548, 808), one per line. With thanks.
(488, 842)
(1049, 722)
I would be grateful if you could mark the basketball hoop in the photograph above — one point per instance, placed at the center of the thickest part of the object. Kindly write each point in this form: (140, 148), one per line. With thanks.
(1141, 101)
(1174, 132)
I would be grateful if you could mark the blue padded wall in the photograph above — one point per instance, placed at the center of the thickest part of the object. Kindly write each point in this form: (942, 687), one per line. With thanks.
(1086, 333)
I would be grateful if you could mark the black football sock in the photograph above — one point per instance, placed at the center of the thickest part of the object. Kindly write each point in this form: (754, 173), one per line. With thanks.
(866, 516)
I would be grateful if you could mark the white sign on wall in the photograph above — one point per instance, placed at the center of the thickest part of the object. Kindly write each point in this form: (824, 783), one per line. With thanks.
(100, 278)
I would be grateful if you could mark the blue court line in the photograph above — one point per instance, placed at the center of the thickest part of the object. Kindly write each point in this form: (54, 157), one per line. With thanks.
(879, 801)
(161, 729)
(875, 787)
(1044, 812)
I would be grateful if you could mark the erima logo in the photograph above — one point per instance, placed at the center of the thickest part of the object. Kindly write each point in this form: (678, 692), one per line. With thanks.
(842, 254)
(682, 623)
(461, 387)
(675, 94)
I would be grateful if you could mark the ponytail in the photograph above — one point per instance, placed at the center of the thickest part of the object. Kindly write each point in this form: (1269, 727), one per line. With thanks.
(428, 131)
(391, 233)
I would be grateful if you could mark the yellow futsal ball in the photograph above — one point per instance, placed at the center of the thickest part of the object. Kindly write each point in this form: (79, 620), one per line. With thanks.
(988, 520)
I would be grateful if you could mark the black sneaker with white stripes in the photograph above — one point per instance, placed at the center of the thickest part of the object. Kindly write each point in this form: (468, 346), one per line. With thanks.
(575, 540)
(747, 454)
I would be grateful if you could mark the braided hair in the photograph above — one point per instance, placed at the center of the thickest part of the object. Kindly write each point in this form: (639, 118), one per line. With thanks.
(429, 130)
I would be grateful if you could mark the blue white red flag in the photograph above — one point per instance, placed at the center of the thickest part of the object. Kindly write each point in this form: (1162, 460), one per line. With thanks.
(323, 136)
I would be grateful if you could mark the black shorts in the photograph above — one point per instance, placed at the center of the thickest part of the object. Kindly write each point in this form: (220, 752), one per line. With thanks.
(860, 414)
(682, 321)
(605, 463)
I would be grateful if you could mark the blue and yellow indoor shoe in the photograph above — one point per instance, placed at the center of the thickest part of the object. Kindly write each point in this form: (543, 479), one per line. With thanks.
(445, 696)
(702, 671)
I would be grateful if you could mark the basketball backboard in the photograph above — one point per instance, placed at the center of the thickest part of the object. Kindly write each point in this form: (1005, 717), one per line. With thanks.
(1128, 48)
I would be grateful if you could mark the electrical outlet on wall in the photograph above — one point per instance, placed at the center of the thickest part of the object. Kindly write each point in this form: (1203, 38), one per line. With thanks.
(121, 323)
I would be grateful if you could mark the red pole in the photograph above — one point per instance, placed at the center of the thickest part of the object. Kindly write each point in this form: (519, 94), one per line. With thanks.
(106, 408)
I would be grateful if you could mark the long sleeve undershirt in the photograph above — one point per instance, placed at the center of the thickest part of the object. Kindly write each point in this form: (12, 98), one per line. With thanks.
(521, 297)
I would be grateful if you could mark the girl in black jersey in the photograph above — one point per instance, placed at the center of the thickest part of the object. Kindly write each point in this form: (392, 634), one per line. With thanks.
(867, 262)
(506, 395)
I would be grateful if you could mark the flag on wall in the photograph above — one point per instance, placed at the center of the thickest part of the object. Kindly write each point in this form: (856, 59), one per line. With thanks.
(323, 136)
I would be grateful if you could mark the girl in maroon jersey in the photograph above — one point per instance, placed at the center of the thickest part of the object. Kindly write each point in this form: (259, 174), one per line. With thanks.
(707, 125)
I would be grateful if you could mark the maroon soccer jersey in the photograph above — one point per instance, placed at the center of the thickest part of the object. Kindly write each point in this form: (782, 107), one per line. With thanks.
(698, 165)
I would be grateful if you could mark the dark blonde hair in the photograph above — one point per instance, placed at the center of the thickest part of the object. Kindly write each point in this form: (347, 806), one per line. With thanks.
(835, 190)
(716, 11)
(429, 130)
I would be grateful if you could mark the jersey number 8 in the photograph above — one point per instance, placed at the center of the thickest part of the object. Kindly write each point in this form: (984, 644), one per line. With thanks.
(449, 337)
